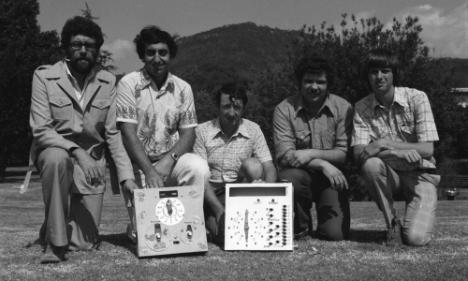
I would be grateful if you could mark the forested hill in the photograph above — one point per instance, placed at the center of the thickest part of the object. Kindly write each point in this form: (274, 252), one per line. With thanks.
(246, 50)
(232, 51)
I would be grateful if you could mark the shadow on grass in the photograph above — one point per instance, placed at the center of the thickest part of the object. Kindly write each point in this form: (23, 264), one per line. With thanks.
(367, 236)
(120, 240)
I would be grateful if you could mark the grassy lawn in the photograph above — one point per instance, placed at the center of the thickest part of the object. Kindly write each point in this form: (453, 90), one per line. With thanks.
(363, 257)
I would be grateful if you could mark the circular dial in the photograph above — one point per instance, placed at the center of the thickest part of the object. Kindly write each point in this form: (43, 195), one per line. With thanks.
(170, 211)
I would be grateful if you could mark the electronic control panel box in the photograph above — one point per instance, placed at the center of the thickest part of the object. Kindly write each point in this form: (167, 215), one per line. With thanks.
(259, 217)
(169, 220)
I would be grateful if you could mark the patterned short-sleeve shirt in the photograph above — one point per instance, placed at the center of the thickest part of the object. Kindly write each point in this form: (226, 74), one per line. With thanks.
(159, 113)
(409, 119)
(225, 155)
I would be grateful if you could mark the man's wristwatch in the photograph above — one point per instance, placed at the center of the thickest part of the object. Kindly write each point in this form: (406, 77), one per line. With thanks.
(175, 156)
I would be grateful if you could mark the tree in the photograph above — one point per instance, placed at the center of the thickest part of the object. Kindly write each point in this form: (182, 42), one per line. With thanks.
(23, 47)
(346, 48)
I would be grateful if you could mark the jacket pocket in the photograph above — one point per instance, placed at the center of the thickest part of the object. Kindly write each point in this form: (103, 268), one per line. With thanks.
(99, 109)
(61, 108)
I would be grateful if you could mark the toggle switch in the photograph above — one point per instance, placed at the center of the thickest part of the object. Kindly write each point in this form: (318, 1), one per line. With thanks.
(189, 231)
(157, 231)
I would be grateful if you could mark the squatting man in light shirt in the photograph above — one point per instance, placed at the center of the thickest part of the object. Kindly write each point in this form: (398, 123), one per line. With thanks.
(236, 151)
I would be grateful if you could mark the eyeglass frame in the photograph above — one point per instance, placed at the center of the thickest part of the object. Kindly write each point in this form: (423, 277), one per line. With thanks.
(76, 46)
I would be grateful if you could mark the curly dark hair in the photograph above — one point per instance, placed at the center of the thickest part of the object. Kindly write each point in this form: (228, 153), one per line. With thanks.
(235, 90)
(81, 25)
(152, 35)
(315, 65)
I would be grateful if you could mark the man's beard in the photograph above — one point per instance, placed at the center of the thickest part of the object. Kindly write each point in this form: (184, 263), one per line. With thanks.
(82, 65)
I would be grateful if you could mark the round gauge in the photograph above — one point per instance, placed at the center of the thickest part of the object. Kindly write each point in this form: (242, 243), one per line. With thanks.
(170, 211)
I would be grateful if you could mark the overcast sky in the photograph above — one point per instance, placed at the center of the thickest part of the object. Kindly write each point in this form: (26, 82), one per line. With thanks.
(445, 22)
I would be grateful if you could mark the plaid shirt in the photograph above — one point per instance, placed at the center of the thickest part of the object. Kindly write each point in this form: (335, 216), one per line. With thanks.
(225, 155)
(409, 119)
(294, 129)
(158, 113)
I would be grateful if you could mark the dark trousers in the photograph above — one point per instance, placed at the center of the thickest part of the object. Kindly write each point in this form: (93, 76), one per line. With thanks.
(332, 206)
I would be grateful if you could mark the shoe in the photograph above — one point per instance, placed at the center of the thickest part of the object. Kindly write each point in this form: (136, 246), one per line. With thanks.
(394, 234)
(131, 234)
(53, 254)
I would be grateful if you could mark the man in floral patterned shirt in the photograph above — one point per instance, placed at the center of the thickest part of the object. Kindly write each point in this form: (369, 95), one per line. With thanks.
(156, 114)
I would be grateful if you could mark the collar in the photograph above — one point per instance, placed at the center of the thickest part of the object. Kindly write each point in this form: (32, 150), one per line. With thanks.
(74, 81)
(60, 69)
(146, 81)
(398, 98)
(299, 104)
(242, 130)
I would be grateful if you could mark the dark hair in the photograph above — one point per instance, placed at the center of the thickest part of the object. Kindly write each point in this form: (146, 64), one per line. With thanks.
(234, 90)
(152, 35)
(315, 65)
(81, 25)
(382, 58)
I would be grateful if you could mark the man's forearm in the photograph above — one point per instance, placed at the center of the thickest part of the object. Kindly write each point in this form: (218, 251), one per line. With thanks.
(425, 149)
(135, 149)
(185, 142)
(334, 156)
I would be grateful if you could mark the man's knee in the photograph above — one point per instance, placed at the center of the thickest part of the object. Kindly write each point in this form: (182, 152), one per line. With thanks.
(372, 167)
(296, 176)
(252, 169)
(195, 163)
(191, 169)
(54, 157)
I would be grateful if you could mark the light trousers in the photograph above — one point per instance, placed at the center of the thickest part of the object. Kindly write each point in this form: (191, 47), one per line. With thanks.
(71, 219)
(419, 191)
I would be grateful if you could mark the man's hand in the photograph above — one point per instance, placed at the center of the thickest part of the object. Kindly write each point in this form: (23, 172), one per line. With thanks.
(334, 175)
(410, 155)
(373, 149)
(164, 167)
(93, 172)
(297, 158)
(128, 186)
(153, 179)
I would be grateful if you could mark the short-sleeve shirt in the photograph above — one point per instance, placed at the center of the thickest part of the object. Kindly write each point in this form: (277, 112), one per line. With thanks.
(295, 129)
(409, 119)
(225, 155)
(159, 113)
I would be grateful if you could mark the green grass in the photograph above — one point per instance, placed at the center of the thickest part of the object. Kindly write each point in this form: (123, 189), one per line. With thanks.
(363, 257)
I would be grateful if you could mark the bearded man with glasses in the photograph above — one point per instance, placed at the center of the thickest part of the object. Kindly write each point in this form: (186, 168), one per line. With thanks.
(73, 122)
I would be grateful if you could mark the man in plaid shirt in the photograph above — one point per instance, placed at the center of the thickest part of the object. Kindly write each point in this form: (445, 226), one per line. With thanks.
(236, 151)
(393, 138)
